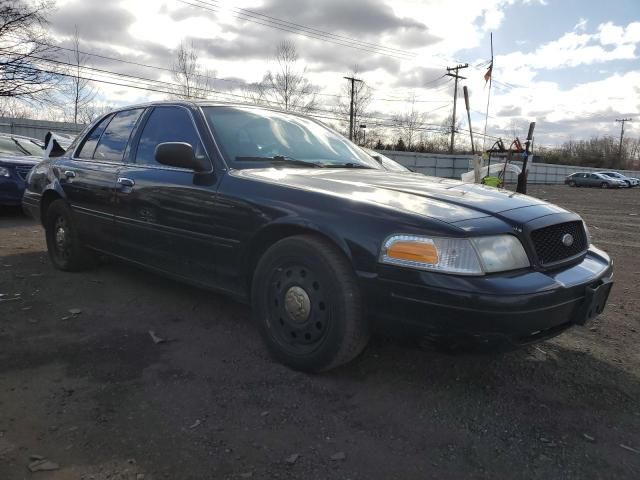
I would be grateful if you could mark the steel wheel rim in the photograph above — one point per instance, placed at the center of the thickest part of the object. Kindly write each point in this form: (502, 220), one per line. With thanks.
(299, 312)
(61, 238)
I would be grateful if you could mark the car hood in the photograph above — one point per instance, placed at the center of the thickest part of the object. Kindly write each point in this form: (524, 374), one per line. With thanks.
(22, 160)
(444, 199)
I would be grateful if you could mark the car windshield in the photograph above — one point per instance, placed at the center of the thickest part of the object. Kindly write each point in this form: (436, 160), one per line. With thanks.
(254, 138)
(29, 146)
(19, 147)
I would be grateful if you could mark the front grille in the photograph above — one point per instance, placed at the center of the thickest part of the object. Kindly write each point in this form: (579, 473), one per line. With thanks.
(549, 246)
(23, 170)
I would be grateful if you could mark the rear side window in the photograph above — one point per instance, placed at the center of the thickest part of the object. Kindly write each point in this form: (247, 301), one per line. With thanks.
(90, 143)
(115, 138)
(166, 124)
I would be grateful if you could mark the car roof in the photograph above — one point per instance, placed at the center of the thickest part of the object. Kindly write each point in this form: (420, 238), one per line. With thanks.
(203, 103)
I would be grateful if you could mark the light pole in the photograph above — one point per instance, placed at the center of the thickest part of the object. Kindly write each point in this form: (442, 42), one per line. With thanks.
(363, 127)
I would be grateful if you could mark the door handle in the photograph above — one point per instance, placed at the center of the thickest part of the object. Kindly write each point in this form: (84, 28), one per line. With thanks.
(69, 173)
(125, 182)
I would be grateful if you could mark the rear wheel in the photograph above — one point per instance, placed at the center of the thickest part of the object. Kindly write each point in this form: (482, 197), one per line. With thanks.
(65, 250)
(604, 185)
(307, 304)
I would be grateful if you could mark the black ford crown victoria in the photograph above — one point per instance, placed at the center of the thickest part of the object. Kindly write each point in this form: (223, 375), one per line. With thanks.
(276, 209)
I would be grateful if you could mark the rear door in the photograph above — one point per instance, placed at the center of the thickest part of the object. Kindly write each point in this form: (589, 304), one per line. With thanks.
(88, 177)
(166, 216)
(581, 179)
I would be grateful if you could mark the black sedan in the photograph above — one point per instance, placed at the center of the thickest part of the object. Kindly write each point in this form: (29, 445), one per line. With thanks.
(278, 210)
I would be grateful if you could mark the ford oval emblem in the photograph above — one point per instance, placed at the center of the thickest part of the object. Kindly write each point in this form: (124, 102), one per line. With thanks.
(567, 239)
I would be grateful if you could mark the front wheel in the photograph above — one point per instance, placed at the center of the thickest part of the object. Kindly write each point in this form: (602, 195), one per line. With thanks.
(308, 305)
(63, 243)
(572, 183)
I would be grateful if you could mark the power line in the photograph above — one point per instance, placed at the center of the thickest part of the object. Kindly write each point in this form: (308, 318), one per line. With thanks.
(297, 31)
(303, 27)
(213, 78)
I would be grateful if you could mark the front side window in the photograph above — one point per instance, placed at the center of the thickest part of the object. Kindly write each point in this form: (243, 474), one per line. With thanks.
(115, 138)
(257, 138)
(166, 124)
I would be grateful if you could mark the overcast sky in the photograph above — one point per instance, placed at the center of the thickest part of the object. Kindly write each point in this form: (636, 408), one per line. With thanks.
(571, 65)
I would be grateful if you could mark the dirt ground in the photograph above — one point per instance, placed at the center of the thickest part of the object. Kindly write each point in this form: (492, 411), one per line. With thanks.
(94, 394)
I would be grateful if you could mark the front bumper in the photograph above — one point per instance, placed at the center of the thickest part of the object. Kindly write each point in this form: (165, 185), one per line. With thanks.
(515, 308)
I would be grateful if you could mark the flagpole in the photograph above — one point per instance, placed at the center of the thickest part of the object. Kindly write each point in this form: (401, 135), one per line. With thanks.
(486, 118)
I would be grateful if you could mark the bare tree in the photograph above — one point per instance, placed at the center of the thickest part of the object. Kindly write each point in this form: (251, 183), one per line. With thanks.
(410, 123)
(362, 96)
(11, 108)
(23, 40)
(79, 89)
(192, 81)
(287, 86)
(94, 110)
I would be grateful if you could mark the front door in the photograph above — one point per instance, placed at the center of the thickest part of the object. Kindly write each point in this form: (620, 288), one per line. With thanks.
(165, 215)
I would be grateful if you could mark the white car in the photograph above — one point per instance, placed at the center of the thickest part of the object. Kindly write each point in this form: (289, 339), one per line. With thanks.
(629, 181)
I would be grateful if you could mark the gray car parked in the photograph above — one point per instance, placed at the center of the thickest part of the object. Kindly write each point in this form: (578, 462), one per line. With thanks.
(588, 179)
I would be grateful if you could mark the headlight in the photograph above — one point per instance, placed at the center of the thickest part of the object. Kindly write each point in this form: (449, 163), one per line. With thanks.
(4, 172)
(474, 256)
(501, 253)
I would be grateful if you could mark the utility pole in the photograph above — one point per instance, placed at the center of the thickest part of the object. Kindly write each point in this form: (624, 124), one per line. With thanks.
(353, 90)
(466, 102)
(455, 98)
(488, 77)
(363, 127)
(622, 122)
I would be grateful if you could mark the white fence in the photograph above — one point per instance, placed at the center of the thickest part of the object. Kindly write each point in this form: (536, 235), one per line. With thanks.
(452, 166)
(36, 128)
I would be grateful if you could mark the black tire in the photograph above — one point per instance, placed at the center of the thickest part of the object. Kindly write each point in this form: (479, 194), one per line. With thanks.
(322, 331)
(628, 183)
(65, 249)
(604, 185)
(572, 183)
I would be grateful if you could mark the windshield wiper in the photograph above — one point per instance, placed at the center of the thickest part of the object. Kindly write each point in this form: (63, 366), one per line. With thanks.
(281, 159)
(349, 165)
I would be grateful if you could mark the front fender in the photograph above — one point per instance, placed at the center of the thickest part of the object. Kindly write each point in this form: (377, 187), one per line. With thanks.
(42, 187)
(284, 227)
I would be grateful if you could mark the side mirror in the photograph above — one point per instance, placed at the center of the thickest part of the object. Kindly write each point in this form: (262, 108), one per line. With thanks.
(178, 154)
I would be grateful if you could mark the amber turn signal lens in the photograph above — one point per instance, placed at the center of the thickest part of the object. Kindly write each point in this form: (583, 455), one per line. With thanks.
(414, 252)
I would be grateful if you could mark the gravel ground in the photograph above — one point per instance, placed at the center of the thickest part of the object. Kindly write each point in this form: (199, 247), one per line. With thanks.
(94, 394)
